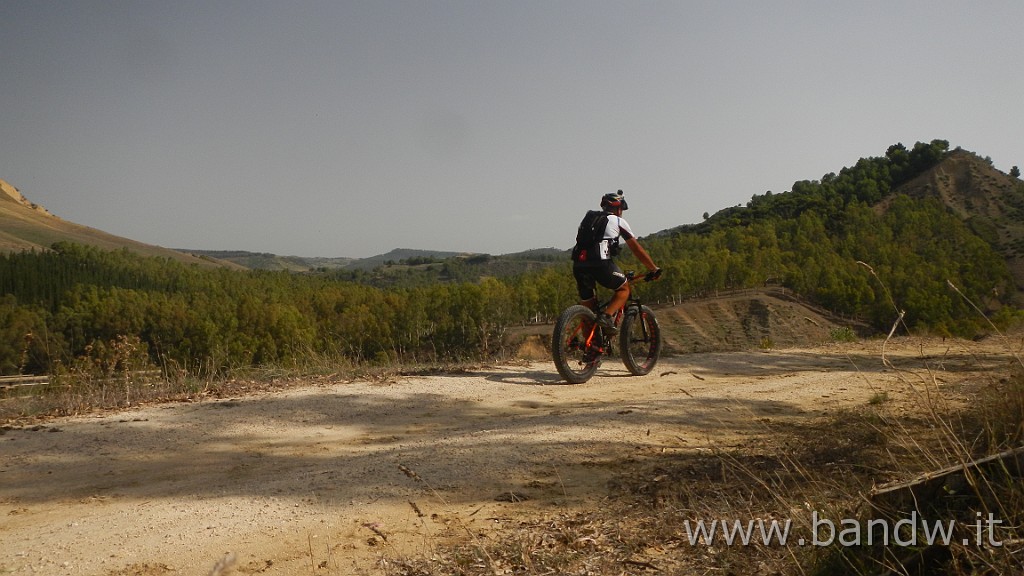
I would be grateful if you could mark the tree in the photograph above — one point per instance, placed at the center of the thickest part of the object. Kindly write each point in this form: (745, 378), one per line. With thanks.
(1015, 172)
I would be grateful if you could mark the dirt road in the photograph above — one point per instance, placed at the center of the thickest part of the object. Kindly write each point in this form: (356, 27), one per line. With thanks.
(308, 480)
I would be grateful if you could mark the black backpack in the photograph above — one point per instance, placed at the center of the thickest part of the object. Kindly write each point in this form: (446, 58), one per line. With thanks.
(589, 235)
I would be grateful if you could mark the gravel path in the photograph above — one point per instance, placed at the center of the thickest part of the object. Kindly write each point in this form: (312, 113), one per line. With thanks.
(310, 480)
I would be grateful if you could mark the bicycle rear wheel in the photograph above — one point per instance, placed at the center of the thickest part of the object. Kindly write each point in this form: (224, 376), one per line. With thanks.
(574, 358)
(640, 340)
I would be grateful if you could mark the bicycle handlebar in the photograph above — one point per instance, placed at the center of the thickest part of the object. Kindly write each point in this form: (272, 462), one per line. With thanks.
(648, 277)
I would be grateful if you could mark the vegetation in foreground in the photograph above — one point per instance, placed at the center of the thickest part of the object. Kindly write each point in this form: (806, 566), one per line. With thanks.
(823, 476)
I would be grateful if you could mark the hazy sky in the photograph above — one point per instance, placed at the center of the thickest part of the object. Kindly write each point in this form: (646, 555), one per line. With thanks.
(342, 128)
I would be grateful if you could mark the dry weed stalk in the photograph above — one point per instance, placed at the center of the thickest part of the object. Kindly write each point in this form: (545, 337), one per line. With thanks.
(995, 491)
(476, 539)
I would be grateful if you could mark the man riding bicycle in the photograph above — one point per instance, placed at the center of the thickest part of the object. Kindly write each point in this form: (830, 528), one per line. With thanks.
(597, 242)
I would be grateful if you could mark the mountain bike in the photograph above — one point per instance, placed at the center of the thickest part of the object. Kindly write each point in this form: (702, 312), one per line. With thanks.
(578, 343)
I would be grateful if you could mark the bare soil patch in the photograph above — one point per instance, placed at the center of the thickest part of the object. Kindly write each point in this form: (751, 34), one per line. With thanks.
(309, 480)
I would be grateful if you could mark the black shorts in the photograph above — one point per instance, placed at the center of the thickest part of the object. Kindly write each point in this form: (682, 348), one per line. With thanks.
(588, 276)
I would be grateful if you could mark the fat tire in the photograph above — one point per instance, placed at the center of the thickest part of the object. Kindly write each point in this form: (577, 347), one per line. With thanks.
(640, 340)
(567, 353)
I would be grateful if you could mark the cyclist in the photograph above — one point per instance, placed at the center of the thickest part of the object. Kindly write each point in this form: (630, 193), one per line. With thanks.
(596, 245)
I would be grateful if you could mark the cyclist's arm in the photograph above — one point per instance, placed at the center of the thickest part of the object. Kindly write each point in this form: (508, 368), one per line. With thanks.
(641, 254)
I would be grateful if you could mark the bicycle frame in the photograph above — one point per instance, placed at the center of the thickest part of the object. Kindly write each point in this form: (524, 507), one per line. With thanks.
(578, 344)
(632, 303)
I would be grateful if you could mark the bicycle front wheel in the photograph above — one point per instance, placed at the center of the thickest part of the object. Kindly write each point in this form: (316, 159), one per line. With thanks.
(640, 340)
(574, 357)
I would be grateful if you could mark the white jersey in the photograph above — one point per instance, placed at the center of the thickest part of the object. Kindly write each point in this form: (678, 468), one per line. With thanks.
(617, 227)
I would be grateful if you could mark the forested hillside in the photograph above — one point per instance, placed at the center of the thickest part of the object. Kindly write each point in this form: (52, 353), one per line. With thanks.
(850, 242)
(855, 243)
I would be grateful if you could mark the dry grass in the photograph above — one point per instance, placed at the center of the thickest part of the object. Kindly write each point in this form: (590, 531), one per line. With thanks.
(827, 467)
(120, 375)
(786, 473)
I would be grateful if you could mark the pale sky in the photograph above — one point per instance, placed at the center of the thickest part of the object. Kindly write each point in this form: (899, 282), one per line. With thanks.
(341, 128)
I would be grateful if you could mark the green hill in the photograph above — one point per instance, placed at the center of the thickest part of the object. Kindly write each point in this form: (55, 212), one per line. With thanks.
(989, 201)
(892, 233)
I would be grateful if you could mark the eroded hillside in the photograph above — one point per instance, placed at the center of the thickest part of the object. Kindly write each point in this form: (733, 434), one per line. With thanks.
(990, 201)
(740, 320)
(748, 320)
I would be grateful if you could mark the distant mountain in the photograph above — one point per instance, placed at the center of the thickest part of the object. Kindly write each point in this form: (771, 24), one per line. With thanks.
(266, 261)
(399, 258)
(407, 268)
(25, 225)
(399, 255)
(554, 254)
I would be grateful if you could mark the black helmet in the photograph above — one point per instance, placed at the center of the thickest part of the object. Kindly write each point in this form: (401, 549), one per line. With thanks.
(614, 201)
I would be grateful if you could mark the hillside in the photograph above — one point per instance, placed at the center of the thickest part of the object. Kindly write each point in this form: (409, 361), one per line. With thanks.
(990, 201)
(26, 226)
(267, 261)
(749, 320)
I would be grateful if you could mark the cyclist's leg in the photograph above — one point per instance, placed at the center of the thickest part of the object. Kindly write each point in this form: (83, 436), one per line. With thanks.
(612, 278)
(618, 299)
(585, 285)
